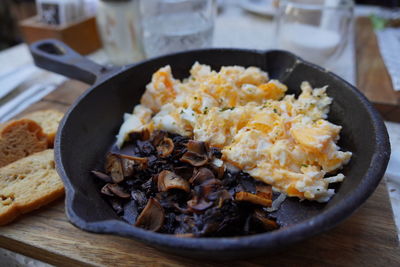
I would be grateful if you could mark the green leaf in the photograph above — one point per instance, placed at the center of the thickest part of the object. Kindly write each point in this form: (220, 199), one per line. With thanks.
(378, 23)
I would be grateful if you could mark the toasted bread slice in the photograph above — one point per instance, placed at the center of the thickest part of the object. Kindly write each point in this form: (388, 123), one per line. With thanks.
(20, 138)
(49, 120)
(28, 184)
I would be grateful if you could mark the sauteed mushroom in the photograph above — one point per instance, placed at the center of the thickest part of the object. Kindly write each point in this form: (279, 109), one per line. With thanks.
(165, 147)
(201, 176)
(167, 180)
(223, 196)
(194, 159)
(264, 191)
(266, 223)
(186, 172)
(197, 147)
(255, 199)
(106, 190)
(143, 135)
(157, 137)
(114, 190)
(152, 216)
(182, 186)
(128, 166)
(197, 154)
(210, 189)
(217, 166)
(114, 167)
(118, 191)
(139, 162)
(196, 205)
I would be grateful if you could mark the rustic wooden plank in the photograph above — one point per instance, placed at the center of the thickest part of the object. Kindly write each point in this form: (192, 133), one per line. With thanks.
(59, 99)
(67, 92)
(366, 238)
(373, 78)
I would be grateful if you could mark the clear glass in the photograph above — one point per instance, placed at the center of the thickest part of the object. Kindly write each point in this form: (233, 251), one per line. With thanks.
(118, 24)
(176, 25)
(316, 30)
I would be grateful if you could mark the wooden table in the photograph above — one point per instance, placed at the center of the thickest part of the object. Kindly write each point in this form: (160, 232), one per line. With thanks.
(368, 237)
(372, 76)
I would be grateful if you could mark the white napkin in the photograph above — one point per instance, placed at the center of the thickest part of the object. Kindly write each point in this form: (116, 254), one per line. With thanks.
(392, 174)
(389, 45)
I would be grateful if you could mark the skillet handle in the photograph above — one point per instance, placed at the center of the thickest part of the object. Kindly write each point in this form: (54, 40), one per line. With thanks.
(56, 56)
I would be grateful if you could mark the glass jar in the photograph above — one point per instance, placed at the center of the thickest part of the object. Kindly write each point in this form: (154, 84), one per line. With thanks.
(316, 30)
(119, 26)
(176, 25)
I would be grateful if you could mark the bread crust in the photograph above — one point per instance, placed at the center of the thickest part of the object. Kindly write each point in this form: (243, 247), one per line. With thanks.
(28, 184)
(20, 138)
(49, 120)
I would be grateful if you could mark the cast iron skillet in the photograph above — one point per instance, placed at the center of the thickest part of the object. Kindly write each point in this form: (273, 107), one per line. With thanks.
(90, 125)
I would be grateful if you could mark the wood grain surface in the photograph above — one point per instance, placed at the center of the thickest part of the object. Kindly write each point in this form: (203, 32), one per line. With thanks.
(368, 237)
(372, 76)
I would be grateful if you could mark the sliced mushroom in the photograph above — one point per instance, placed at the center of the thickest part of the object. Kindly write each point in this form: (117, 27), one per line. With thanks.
(185, 172)
(223, 196)
(118, 191)
(255, 199)
(202, 175)
(194, 159)
(165, 147)
(197, 154)
(218, 167)
(102, 176)
(157, 137)
(142, 135)
(128, 167)
(210, 189)
(180, 209)
(264, 191)
(139, 162)
(114, 167)
(106, 190)
(266, 223)
(152, 216)
(197, 147)
(167, 180)
(199, 205)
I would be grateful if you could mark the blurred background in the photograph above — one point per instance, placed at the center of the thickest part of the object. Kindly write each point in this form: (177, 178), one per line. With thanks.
(13, 11)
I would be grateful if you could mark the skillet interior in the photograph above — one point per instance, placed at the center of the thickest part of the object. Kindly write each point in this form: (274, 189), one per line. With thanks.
(89, 128)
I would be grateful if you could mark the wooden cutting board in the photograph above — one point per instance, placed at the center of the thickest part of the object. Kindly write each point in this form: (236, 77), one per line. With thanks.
(368, 237)
(373, 78)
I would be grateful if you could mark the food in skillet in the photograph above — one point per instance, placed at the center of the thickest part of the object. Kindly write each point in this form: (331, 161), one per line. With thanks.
(234, 125)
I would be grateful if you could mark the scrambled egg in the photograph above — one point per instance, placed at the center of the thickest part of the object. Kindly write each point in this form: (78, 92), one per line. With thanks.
(276, 138)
